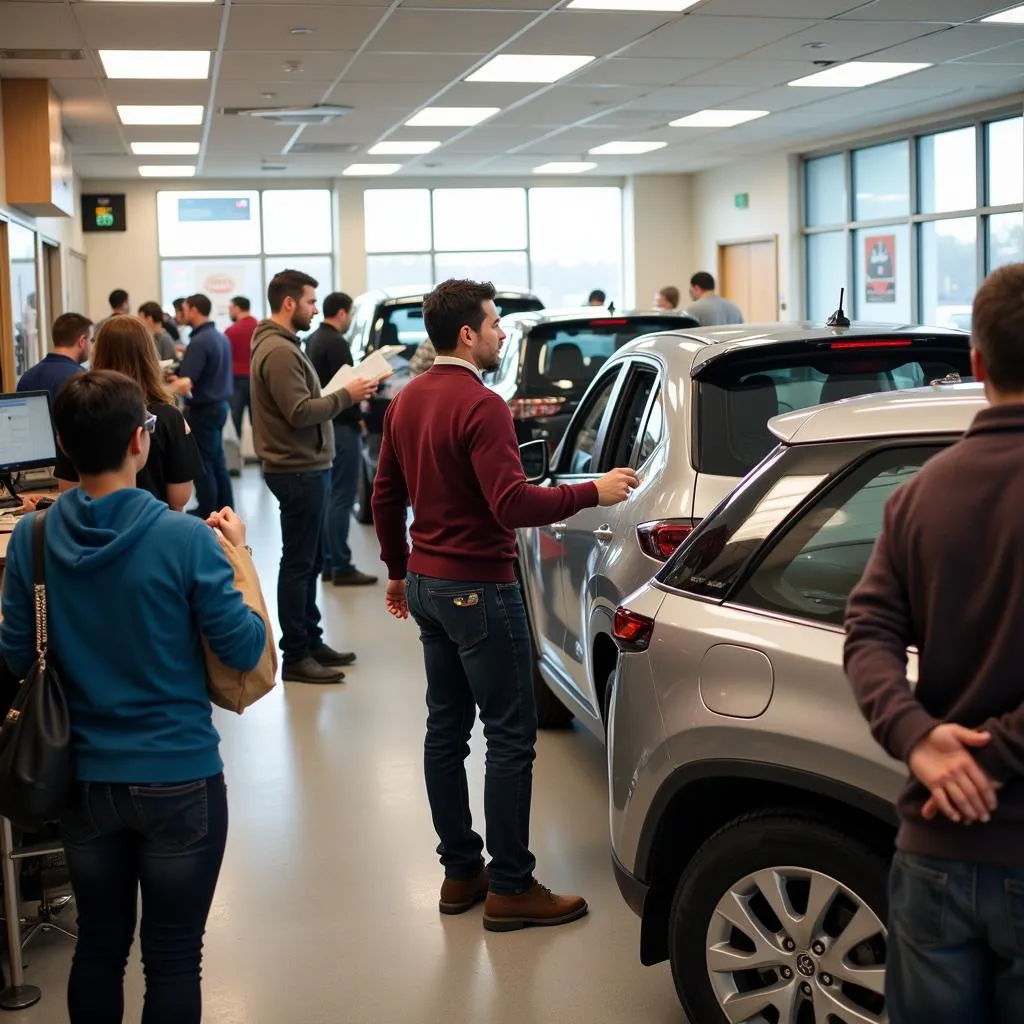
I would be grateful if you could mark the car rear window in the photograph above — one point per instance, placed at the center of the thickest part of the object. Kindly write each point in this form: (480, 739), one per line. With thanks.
(738, 394)
(516, 304)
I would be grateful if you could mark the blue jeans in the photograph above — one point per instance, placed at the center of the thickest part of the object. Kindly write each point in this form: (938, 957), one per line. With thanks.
(168, 841)
(241, 400)
(303, 501)
(956, 942)
(213, 488)
(477, 652)
(348, 449)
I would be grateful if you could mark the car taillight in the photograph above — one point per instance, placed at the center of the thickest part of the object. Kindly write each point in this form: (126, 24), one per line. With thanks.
(531, 408)
(632, 629)
(660, 539)
(870, 344)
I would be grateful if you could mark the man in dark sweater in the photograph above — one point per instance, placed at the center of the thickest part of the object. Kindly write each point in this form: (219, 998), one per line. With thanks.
(946, 576)
(328, 351)
(449, 446)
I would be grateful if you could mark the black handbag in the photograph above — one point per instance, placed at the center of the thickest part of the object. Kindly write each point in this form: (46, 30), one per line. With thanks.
(36, 770)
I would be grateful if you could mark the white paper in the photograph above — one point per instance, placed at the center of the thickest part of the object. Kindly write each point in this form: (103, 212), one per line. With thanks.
(373, 367)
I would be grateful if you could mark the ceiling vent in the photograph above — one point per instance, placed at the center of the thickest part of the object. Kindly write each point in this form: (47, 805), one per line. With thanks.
(323, 148)
(273, 167)
(319, 113)
(15, 54)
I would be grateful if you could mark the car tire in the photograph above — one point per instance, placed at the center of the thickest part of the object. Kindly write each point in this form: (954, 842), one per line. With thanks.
(785, 844)
(364, 495)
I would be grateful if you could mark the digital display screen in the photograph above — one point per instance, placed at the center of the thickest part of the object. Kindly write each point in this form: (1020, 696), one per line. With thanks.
(103, 213)
(217, 208)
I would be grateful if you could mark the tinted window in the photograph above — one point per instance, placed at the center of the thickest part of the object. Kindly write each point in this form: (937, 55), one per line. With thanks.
(813, 567)
(400, 325)
(631, 408)
(586, 427)
(516, 304)
(737, 396)
(654, 428)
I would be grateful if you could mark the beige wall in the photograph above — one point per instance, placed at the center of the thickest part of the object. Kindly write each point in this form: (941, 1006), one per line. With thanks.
(660, 235)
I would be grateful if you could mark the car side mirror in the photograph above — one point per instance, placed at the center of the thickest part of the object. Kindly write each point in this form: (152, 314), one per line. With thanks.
(536, 459)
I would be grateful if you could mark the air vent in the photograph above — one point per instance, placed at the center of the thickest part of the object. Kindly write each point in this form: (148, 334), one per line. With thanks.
(323, 148)
(320, 113)
(273, 167)
(41, 54)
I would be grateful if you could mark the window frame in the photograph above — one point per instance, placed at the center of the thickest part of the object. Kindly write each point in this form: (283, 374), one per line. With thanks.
(636, 369)
(568, 442)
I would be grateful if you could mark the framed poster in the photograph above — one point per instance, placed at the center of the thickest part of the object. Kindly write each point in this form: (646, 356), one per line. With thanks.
(880, 268)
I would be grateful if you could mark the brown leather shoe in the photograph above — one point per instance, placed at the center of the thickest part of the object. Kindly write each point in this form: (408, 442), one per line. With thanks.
(461, 894)
(538, 907)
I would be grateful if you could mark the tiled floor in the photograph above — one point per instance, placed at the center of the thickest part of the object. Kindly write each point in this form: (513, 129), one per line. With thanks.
(326, 910)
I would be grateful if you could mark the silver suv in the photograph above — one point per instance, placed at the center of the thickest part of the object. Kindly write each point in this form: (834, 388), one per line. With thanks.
(689, 410)
(752, 814)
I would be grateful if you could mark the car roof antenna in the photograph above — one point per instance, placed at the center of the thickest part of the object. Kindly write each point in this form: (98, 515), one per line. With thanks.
(839, 318)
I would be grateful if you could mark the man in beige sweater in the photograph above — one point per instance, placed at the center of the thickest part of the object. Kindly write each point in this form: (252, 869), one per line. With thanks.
(294, 438)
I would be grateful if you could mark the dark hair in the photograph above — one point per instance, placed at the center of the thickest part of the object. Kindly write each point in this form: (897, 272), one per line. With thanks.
(124, 344)
(95, 416)
(997, 327)
(702, 279)
(597, 296)
(201, 303)
(337, 302)
(178, 303)
(68, 328)
(153, 310)
(670, 293)
(118, 297)
(288, 284)
(242, 303)
(452, 305)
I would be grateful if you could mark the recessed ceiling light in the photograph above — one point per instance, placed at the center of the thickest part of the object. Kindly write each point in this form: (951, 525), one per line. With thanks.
(156, 63)
(857, 73)
(402, 148)
(564, 167)
(626, 148)
(1014, 16)
(528, 67)
(631, 5)
(370, 170)
(160, 114)
(165, 148)
(167, 170)
(451, 117)
(718, 118)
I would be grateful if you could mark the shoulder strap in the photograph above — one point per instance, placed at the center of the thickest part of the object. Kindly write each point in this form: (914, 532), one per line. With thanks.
(39, 579)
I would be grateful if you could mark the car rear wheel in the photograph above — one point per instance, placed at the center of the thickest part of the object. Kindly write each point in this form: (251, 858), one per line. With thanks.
(780, 918)
(364, 495)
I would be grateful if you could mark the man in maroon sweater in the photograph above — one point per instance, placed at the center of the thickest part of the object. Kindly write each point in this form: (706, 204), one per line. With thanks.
(449, 446)
(947, 575)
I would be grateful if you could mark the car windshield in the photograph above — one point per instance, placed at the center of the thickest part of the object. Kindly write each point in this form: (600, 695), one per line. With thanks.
(738, 394)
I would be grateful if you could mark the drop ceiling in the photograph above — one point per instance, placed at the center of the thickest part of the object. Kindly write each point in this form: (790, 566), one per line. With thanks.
(388, 60)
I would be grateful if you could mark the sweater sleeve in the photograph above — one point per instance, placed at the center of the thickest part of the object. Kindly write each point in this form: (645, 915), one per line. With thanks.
(390, 497)
(18, 629)
(1003, 757)
(878, 630)
(285, 379)
(491, 441)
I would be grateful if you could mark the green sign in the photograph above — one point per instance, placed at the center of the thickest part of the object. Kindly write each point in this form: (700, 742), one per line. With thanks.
(742, 200)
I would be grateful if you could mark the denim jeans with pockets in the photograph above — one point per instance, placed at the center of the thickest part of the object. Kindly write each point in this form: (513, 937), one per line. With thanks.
(213, 488)
(348, 455)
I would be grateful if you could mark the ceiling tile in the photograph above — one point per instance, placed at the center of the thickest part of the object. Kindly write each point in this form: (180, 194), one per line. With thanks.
(482, 94)
(461, 31)
(158, 92)
(490, 5)
(816, 9)
(950, 11)
(384, 94)
(595, 33)
(688, 98)
(52, 69)
(409, 67)
(753, 73)
(96, 139)
(268, 28)
(964, 41)
(721, 38)
(233, 93)
(145, 26)
(1012, 53)
(22, 26)
(269, 67)
(629, 71)
(844, 40)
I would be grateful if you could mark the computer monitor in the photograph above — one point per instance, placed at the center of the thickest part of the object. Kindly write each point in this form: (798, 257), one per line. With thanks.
(26, 439)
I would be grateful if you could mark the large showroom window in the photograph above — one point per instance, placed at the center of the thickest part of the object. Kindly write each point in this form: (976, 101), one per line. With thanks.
(232, 242)
(911, 227)
(557, 242)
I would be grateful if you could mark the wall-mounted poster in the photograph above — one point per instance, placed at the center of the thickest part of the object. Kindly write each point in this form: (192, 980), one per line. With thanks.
(880, 268)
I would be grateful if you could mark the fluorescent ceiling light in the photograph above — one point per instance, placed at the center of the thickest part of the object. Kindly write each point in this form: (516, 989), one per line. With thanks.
(528, 67)
(156, 63)
(371, 170)
(626, 148)
(564, 167)
(167, 170)
(402, 148)
(631, 5)
(165, 148)
(1014, 16)
(718, 118)
(451, 117)
(160, 114)
(857, 73)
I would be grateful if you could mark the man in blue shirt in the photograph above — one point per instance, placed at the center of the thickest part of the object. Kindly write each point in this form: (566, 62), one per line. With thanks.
(72, 346)
(207, 363)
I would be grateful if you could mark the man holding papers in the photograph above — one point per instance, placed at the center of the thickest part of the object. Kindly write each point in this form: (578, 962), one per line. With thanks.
(294, 438)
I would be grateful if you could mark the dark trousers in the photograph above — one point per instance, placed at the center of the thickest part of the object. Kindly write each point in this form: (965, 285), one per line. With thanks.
(956, 943)
(168, 842)
(477, 652)
(348, 446)
(303, 501)
(240, 401)
(213, 488)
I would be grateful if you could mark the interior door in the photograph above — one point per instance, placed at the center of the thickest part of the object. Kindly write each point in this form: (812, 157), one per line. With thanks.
(749, 275)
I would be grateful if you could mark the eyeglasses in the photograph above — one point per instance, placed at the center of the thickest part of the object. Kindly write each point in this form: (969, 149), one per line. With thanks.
(149, 423)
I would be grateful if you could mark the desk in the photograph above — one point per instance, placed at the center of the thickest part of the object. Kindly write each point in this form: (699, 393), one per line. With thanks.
(5, 537)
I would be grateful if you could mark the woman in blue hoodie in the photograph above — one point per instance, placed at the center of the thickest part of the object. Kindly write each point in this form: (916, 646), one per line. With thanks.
(131, 585)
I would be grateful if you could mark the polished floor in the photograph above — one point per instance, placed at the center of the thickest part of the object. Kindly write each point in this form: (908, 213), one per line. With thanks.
(326, 910)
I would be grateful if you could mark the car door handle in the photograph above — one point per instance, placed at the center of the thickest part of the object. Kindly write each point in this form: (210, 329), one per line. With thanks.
(558, 529)
(604, 532)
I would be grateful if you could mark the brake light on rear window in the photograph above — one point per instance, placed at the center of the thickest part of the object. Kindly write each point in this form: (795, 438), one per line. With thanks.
(609, 323)
(633, 630)
(660, 539)
(871, 344)
(531, 408)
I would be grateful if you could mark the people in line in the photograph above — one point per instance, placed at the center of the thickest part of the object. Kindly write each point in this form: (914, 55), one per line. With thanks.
(72, 346)
(153, 317)
(954, 944)
(174, 465)
(149, 812)
(449, 446)
(119, 305)
(597, 298)
(181, 320)
(207, 364)
(294, 438)
(329, 351)
(667, 298)
(243, 327)
(708, 308)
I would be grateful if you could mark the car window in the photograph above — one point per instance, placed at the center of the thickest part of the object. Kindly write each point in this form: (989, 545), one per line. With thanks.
(811, 569)
(356, 334)
(509, 359)
(629, 417)
(400, 325)
(516, 304)
(654, 429)
(581, 440)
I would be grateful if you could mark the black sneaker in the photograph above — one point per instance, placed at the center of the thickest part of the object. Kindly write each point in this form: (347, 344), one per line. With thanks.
(309, 670)
(354, 578)
(330, 658)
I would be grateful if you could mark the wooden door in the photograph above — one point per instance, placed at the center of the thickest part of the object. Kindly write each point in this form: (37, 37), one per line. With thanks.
(749, 276)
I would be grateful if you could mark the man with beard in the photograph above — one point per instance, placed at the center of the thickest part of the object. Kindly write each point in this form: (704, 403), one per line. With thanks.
(294, 439)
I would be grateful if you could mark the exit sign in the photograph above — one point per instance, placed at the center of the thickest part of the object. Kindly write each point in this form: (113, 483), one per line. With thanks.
(742, 200)
(103, 212)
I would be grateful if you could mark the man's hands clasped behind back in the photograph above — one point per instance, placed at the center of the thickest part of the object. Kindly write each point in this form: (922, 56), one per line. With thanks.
(614, 487)
(960, 788)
